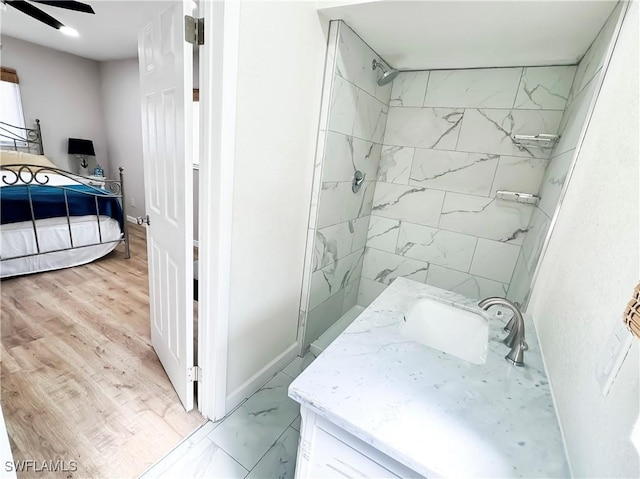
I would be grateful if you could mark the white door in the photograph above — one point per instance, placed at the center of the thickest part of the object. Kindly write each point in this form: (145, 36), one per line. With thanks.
(166, 85)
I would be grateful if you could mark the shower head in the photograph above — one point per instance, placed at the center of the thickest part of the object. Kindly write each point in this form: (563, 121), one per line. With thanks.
(388, 74)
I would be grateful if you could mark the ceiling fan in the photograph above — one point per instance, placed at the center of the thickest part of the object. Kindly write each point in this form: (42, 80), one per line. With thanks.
(41, 16)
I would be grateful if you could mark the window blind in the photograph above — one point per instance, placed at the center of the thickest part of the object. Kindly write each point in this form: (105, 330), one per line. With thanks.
(9, 75)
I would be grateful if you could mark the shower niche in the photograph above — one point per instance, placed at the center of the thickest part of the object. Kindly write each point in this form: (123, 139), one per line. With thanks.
(441, 165)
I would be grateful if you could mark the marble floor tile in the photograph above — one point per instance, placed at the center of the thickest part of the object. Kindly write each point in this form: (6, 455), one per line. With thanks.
(249, 432)
(280, 460)
(206, 460)
(181, 450)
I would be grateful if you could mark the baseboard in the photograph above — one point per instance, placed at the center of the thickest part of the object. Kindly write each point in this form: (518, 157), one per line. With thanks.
(259, 379)
(131, 219)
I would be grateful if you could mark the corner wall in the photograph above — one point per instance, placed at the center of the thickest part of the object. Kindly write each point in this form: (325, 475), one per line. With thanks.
(63, 91)
(583, 91)
(588, 273)
(282, 48)
(120, 94)
(350, 138)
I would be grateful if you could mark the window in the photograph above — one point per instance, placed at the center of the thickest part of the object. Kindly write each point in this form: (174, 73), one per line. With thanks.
(11, 112)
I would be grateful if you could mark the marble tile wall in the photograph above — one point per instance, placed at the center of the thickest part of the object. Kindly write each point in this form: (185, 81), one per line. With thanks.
(353, 122)
(447, 150)
(581, 95)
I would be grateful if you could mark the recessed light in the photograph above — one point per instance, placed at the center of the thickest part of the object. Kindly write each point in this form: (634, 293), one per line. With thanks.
(72, 32)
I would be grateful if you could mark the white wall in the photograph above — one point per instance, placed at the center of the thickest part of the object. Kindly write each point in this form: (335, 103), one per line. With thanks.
(63, 91)
(120, 86)
(281, 58)
(588, 273)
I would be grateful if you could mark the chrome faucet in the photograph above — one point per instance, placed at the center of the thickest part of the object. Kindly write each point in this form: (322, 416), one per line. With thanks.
(515, 339)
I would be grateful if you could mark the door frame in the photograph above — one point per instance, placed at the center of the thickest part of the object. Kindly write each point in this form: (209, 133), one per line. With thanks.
(218, 87)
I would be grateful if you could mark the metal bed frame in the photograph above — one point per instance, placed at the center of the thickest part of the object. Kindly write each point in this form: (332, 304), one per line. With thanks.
(35, 175)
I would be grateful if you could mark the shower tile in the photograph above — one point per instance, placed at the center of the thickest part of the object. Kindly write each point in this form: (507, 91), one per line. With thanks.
(553, 182)
(395, 164)
(320, 318)
(520, 285)
(357, 205)
(485, 217)
(520, 174)
(409, 89)
(383, 233)
(594, 59)
(424, 127)
(338, 158)
(331, 203)
(534, 239)
(464, 283)
(371, 118)
(332, 44)
(384, 267)
(545, 88)
(333, 278)
(345, 154)
(383, 93)
(454, 171)
(332, 243)
(445, 248)
(411, 203)
(369, 291)
(494, 260)
(573, 121)
(490, 130)
(478, 88)
(354, 58)
(309, 267)
(350, 295)
(359, 227)
(344, 98)
(366, 157)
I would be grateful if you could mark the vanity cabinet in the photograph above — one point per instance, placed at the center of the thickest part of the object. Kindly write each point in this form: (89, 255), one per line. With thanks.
(328, 451)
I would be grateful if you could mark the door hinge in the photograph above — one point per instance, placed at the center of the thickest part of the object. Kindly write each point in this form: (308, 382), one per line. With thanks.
(194, 374)
(194, 30)
(141, 220)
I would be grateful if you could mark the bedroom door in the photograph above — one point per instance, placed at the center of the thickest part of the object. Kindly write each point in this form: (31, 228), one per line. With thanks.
(166, 83)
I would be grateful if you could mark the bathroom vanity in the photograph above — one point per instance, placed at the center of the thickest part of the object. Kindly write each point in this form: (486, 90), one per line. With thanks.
(379, 404)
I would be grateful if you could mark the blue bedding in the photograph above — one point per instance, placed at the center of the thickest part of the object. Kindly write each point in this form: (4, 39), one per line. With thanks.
(48, 202)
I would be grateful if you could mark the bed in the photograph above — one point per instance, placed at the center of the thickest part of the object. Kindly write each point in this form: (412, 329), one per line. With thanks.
(51, 218)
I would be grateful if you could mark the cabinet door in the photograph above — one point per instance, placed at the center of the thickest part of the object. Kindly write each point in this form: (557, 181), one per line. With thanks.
(334, 459)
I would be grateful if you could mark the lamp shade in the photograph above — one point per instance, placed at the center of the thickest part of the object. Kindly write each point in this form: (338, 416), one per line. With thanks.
(81, 147)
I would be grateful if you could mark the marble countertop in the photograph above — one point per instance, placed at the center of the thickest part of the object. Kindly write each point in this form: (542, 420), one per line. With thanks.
(437, 414)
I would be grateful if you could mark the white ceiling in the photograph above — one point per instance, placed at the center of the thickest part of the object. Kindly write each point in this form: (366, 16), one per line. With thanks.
(469, 34)
(110, 34)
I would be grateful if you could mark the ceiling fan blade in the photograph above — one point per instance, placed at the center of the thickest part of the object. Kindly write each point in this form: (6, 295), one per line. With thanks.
(35, 12)
(69, 5)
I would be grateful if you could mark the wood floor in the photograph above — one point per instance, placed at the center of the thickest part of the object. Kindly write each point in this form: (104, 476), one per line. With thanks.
(80, 380)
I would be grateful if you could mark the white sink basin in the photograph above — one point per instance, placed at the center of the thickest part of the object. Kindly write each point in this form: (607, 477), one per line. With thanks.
(448, 328)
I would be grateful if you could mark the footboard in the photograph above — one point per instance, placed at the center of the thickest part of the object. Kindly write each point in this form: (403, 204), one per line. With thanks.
(32, 193)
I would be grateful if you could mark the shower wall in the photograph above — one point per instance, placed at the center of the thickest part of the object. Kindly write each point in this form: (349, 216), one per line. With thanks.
(447, 151)
(582, 93)
(352, 125)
